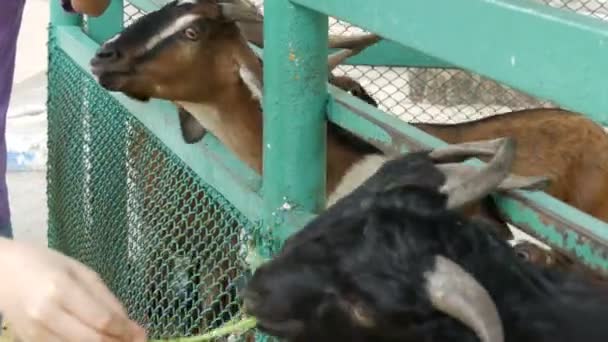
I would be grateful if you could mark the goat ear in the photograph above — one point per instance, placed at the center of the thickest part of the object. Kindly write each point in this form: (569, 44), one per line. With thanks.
(192, 130)
(463, 188)
(238, 11)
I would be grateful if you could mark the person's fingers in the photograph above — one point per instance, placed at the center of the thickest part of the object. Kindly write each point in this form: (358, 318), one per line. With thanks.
(93, 313)
(96, 287)
(44, 335)
(68, 328)
(138, 334)
(31, 329)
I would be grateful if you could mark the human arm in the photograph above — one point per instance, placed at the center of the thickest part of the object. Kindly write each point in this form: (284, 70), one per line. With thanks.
(47, 296)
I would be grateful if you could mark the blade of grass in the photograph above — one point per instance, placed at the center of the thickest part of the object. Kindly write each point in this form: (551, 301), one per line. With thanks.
(239, 327)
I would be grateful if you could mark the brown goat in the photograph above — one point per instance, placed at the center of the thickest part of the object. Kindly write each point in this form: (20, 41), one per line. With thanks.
(207, 67)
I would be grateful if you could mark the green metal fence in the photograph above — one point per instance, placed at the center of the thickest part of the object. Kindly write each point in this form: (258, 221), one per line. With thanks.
(175, 229)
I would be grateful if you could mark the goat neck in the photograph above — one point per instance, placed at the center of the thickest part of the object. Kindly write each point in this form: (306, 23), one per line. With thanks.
(228, 104)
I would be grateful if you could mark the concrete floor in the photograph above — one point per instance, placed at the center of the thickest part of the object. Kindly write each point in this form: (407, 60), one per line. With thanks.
(27, 190)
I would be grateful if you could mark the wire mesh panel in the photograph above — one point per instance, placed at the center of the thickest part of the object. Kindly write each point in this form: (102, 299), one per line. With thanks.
(435, 95)
(447, 96)
(168, 245)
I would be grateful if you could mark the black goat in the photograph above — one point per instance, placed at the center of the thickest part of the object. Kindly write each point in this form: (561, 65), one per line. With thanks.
(392, 261)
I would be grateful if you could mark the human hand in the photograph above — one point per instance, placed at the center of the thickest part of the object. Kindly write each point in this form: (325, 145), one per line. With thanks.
(47, 296)
(92, 8)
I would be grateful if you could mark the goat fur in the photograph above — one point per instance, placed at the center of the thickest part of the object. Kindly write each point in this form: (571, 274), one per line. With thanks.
(356, 272)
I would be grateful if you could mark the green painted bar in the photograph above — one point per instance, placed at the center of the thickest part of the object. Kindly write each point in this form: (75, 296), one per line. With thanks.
(543, 216)
(148, 5)
(108, 24)
(59, 16)
(208, 159)
(295, 96)
(543, 51)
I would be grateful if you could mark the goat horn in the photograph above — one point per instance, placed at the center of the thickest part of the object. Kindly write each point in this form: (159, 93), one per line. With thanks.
(338, 57)
(253, 30)
(537, 183)
(349, 46)
(241, 13)
(356, 43)
(460, 152)
(512, 182)
(464, 188)
(455, 292)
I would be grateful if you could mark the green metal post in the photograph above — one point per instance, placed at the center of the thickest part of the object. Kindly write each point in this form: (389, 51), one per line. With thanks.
(108, 24)
(60, 17)
(295, 98)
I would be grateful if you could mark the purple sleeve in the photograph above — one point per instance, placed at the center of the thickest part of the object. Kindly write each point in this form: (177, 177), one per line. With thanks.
(67, 6)
(10, 21)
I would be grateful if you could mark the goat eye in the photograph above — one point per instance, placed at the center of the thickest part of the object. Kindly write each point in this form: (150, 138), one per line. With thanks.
(523, 254)
(191, 33)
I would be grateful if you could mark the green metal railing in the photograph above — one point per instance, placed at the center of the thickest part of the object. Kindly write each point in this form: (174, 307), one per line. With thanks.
(534, 56)
(545, 52)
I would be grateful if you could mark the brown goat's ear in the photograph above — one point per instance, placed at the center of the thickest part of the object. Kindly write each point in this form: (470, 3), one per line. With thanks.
(238, 11)
(192, 130)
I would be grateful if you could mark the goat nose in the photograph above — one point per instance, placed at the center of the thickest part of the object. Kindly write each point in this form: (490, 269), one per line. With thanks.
(108, 53)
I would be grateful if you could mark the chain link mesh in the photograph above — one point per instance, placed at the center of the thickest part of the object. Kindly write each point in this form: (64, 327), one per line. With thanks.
(168, 245)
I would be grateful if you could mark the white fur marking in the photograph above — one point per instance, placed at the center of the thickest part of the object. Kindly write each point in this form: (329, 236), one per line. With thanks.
(179, 24)
(253, 83)
(184, 2)
(113, 38)
(519, 235)
(355, 176)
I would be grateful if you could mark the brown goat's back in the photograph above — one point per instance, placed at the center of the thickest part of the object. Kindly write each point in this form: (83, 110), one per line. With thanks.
(564, 145)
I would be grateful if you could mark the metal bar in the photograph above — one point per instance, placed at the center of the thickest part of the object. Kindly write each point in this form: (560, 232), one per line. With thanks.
(550, 53)
(108, 24)
(148, 5)
(295, 97)
(543, 216)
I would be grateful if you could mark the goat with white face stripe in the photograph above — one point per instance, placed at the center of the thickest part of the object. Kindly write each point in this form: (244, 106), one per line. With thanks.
(156, 56)
(194, 54)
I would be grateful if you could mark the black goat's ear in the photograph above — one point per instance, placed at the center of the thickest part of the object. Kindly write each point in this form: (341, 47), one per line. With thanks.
(192, 130)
